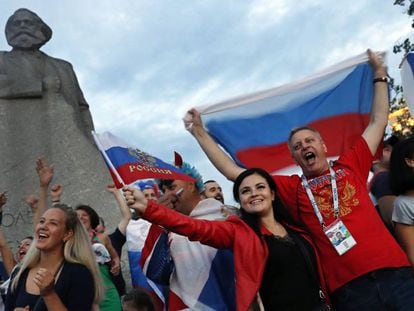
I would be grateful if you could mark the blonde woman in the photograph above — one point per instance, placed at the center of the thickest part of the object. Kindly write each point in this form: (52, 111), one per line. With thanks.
(59, 272)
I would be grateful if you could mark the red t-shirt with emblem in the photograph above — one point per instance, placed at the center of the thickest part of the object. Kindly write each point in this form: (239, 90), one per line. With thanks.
(375, 248)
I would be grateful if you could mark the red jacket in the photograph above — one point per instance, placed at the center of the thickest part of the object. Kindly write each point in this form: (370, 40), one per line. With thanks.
(250, 251)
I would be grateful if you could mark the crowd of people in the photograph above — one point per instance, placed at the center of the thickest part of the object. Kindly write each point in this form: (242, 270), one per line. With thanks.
(69, 263)
(322, 224)
(309, 242)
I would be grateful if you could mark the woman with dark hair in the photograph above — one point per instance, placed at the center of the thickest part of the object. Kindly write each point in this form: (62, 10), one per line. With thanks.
(402, 184)
(105, 255)
(274, 261)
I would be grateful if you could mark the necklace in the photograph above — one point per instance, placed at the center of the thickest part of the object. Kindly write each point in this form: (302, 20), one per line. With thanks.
(284, 239)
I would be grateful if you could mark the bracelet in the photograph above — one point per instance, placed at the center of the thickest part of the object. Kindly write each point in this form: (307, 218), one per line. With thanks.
(381, 79)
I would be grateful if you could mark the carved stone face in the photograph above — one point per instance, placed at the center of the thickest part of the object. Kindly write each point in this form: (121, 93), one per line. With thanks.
(25, 30)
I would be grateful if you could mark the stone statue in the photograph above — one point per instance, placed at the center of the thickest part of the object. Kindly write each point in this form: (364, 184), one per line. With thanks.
(44, 113)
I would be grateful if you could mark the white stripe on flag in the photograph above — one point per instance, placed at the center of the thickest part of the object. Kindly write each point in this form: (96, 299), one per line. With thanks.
(100, 140)
(308, 87)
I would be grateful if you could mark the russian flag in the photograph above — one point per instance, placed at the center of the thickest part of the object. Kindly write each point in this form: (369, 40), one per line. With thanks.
(128, 164)
(254, 128)
(137, 232)
(203, 277)
(407, 79)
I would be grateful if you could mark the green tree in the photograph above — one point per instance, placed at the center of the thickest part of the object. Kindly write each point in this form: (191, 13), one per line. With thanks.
(406, 46)
(401, 121)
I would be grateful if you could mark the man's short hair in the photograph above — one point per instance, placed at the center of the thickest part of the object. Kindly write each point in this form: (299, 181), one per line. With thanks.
(301, 128)
(209, 181)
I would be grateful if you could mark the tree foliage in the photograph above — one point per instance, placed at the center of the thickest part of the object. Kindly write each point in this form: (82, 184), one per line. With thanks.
(400, 119)
(406, 46)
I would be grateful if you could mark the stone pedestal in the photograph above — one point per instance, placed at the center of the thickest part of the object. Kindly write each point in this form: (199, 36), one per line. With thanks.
(30, 128)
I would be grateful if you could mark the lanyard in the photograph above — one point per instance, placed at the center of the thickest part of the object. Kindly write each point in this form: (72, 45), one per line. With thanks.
(334, 196)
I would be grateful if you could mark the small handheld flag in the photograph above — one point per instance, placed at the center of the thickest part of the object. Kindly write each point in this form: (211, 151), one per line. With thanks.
(128, 164)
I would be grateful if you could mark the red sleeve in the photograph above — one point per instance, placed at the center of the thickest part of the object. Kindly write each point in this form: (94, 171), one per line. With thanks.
(358, 159)
(218, 234)
(287, 188)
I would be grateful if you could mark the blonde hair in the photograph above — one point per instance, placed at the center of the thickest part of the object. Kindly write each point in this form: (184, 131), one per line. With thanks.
(77, 249)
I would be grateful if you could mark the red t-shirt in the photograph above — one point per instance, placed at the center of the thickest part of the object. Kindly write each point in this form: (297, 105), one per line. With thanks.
(375, 248)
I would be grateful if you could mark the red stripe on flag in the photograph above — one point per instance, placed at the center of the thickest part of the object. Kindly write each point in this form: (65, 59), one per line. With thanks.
(132, 172)
(339, 134)
(175, 302)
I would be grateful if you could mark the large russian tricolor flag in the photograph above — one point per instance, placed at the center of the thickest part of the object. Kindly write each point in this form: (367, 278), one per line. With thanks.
(407, 79)
(254, 128)
(128, 164)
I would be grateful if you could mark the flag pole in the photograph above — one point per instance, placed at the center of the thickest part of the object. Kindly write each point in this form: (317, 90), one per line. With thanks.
(108, 161)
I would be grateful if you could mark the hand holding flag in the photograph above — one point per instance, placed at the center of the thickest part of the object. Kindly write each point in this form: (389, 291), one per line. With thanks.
(192, 121)
(135, 199)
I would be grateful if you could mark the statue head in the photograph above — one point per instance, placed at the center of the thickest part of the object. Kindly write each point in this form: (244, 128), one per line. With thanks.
(26, 31)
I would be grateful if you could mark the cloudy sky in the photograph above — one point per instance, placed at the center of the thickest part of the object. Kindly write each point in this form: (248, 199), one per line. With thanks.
(143, 63)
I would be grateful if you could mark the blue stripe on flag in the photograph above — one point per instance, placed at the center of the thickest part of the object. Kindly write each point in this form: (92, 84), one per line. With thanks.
(120, 156)
(353, 95)
(219, 291)
(137, 276)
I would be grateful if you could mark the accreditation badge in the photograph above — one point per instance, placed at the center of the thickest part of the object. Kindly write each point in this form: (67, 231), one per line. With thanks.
(340, 236)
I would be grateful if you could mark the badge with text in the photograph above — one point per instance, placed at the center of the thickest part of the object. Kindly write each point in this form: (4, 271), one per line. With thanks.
(339, 236)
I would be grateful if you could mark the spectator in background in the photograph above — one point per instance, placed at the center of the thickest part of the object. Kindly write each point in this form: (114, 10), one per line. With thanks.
(9, 259)
(213, 190)
(106, 256)
(149, 188)
(137, 300)
(402, 184)
(379, 185)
